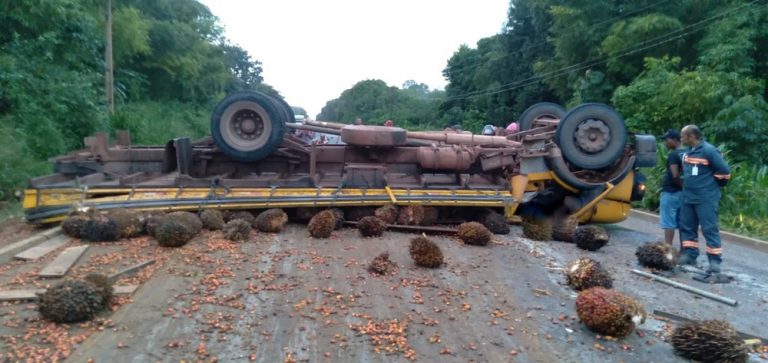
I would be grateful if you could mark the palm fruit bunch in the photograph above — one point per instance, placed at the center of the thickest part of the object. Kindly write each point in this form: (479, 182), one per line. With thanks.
(591, 238)
(357, 213)
(658, 255)
(302, 214)
(609, 312)
(73, 225)
(152, 221)
(371, 226)
(387, 213)
(322, 224)
(212, 219)
(242, 214)
(103, 287)
(70, 301)
(410, 215)
(537, 229)
(381, 265)
(473, 233)
(128, 223)
(430, 216)
(271, 220)
(339, 214)
(709, 341)
(564, 228)
(100, 228)
(237, 230)
(425, 253)
(586, 273)
(177, 229)
(495, 222)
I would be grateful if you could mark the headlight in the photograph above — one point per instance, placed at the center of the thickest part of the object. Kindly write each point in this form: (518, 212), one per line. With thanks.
(638, 189)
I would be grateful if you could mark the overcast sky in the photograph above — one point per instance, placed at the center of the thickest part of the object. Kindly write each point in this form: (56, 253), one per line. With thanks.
(312, 50)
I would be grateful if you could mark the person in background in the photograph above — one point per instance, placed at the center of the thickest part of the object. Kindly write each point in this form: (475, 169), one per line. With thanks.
(389, 123)
(358, 121)
(489, 130)
(704, 172)
(512, 128)
(671, 187)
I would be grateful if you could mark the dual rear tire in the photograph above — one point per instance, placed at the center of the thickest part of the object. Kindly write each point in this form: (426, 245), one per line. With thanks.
(249, 125)
(591, 136)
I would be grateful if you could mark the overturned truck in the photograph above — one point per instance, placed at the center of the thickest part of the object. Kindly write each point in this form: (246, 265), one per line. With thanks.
(581, 162)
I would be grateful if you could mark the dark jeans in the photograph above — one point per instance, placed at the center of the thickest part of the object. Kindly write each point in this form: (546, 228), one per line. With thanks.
(705, 215)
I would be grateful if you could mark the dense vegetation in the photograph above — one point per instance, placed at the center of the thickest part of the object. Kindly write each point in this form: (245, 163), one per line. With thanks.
(171, 63)
(412, 106)
(663, 64)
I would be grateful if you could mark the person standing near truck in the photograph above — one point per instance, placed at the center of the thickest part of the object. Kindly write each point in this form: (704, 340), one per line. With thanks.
(671, 187)
(704, 172)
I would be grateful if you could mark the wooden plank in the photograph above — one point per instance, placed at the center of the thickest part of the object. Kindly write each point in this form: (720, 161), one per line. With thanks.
(31, 294)
(43, 249)
(42, 236)
(125, 289)
(15, 295)
(62, 263)
(130, 270)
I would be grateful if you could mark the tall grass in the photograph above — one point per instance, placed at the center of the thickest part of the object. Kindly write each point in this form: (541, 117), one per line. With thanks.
(744, 204)
(148, 122)
(156, 123)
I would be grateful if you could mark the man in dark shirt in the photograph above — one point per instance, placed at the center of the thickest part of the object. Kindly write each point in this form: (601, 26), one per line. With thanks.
(704, 172)
(671, 188)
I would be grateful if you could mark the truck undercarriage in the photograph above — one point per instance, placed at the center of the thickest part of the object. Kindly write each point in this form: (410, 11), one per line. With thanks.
(578, 162)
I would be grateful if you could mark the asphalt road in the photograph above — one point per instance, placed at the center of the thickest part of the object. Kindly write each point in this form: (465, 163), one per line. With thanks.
(288, 297)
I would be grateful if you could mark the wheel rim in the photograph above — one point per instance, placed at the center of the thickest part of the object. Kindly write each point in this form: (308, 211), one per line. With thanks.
(592, 136)
(245, 126)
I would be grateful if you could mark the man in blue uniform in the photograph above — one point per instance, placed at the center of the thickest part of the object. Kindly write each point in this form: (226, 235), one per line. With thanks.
(671, 187)
(704, 172)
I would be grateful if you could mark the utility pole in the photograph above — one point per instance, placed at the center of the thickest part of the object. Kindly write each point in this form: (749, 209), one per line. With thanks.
(109, 83)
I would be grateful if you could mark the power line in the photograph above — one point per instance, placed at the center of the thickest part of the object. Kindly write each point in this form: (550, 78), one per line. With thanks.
(464, 67)
(591, 63)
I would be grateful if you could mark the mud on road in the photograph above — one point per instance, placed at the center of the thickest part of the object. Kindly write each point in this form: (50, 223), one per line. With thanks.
(288, 297)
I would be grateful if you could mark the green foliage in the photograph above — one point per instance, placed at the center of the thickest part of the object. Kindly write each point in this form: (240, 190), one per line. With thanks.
(171, 52)
(662, 97)
(626, 34)
(414, 107)
(157, 122)
(742, 128)
(130, 34)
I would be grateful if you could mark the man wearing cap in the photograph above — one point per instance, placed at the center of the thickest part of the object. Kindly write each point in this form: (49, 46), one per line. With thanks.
(671, 187)
(704, 172)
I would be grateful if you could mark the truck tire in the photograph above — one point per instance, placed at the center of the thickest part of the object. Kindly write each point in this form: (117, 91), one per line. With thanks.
(291, 117)
(592, 136)
(248, 126)
(542, 109)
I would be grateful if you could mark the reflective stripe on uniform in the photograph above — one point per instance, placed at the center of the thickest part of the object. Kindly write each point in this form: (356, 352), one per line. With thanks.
(690, 244)
(695, 161)
(714, 251)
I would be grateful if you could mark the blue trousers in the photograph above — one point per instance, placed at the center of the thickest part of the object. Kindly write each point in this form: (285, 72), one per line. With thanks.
(705, 215)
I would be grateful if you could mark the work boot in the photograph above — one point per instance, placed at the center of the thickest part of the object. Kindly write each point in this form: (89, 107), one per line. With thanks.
(686, 259)
(714, 266)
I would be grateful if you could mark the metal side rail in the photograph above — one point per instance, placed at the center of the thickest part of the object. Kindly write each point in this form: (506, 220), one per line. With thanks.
(174, 199)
